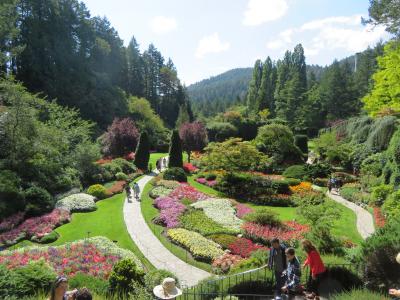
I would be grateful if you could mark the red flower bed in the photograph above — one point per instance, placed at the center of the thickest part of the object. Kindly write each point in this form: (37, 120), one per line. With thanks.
(117, 187)
(244, 247)
(206, 182)
(291, 231)
(379, 218)
(189, 168)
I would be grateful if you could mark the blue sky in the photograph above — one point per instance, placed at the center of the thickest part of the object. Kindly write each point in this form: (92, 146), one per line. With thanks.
(207, 37)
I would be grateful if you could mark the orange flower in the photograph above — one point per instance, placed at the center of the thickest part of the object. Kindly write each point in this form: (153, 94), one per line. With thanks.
(302, 188)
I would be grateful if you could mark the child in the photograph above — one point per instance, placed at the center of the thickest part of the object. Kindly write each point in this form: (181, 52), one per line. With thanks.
(292, 273)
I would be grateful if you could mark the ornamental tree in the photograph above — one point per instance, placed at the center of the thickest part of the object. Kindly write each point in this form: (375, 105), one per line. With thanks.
(175, 151)
(193, 136)
(121, 137)
(142, 154)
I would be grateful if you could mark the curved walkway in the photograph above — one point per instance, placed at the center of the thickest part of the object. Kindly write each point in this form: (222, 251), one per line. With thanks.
(365, 221)
(151, 247)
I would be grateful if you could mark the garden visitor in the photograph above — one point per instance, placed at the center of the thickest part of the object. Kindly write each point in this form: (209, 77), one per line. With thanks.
(330, 185)
(83, 294)
(395, 292)
(164, 160)
(292, 273)
(317, 268)
(158, 165)
(136, 189)
(59, 289)
(277, 261)
(167, 290)
(128, 191)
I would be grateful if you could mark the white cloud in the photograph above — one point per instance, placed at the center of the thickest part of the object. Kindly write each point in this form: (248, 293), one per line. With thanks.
(332, 33)
(211, 44)
(262, 11)
(161, 24)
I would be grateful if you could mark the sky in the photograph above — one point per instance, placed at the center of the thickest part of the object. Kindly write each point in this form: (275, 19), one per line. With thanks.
(207, 37)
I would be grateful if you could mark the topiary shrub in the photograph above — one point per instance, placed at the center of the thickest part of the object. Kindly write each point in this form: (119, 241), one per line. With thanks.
(38, 201)
(98, 191)
(175, 151)
(296, 171)
(94, 284)
(264, 216)
(301, 141)
(177, 174)
(121, 176)
(123, 276)
(142, 154)
(10, 194)
(156, 277)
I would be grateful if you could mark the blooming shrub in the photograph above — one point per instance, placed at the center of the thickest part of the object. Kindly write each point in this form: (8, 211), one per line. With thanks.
(94, 256)
(379, 218)
(170, 210)
(221, 211)
(242, 210)
(200, 247)
(159, 191)
(244, 247)
(224, 263)
(12, 221)
(35, 228)
(188, 192)
(302, 188)
(189, 168)
(116, 188)
(77, 202)
(290, 232)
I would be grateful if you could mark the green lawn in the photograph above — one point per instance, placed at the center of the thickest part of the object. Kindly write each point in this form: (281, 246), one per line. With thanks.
(154, 157)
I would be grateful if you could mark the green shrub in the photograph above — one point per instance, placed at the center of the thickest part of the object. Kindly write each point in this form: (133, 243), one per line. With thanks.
(175, 151)
(223, 239)
(49, 238)
(301, 141)
(221, 131)
(7, 286)
(94, 284)
(354, 194)
(142, 153)
(156, 277)
(112, 167)
(277, 200)
(281, 186)
(98, 191)
(360, 294)
(210, 176)
(121, 176)
(264, 216)
(176, 174)
(373, 165)
(347, 278)
(38, 201)
(318, 170)
(10, 193)
(296, 171)
(292, 181)
(322, 182)
(123, 275)
(380, 193)
(381, 133)
(126, 166)
(391, 207)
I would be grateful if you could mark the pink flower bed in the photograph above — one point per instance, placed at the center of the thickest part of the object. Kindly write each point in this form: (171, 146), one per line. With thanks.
(291, 231)
(189, 168)
(244, 247)
(12, 221)
(188, 192)
(36, 227)
(242, 210)
(170, 210)
(204, 181)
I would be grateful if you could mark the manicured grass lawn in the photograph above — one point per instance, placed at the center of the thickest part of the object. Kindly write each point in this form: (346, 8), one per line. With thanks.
(154, 157)
(149, 213)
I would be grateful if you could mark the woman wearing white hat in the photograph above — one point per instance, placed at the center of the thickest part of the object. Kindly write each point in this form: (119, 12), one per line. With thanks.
(167, 290)
(394, 292)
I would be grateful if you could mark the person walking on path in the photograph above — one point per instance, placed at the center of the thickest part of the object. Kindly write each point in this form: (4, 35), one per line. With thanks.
(292, 273)
(317, 268)
(136, 190)
(128, 192)
(277, 261)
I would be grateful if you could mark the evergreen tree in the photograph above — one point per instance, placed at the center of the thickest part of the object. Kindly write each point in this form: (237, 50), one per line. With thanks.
(8, 31)
(183, 116)
(254, 85)
(385, 12)
(142, 153)
(175, 151)
(135, 69)
(265, 97)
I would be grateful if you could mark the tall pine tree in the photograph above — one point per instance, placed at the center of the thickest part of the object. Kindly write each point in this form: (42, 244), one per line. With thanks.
(265, 96)
(254, 86)
(175, 151)
(142, 153)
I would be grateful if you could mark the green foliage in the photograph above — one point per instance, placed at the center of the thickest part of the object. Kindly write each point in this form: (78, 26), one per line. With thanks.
(381, 133)
(378, 257)
(391, 207)
(301, 141)
(221, 131)
(380, 193)
(38, 200)
(296, 171)
(223, 239)
(81, 280)
(121, 176)
(142, 153)
(126, 166)
(175, 151)
(233, 155)
(10, 193)
(123, 276)
(360, 294)
(373, 165)
(264, 216)
(156, 277)
(292, 181)
(49, 238)
(176, 174)
(98, 191)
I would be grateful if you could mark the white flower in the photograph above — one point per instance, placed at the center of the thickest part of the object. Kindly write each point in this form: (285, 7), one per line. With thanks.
(77, 203)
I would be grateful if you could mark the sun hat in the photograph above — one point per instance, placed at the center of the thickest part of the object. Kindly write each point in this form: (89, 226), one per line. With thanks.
(398, 258)
(167, 290)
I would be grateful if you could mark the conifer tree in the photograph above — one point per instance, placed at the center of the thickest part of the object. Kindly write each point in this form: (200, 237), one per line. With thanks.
(142, 153)
(265, 96)
(183, 116)
(254, 86)
(175, 151)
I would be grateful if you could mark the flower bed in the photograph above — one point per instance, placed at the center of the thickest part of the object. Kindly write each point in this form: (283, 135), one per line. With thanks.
(117, 187)
(223, 239)
(11, 222)
(77, 203)
(169, 184)
(206, 182)
(200, 247)
(170, 210)
(221, 211)
(244, 247)
(188, 192)
(224, 263)
(302, 188)
(159, 191)
(289, 233)
(379, 218)
(189, 168)
(94, 256)
(242, 210)
(35, 228)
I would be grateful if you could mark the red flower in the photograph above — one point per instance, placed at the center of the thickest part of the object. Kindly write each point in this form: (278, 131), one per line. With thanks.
(244, 247)
(379, 218)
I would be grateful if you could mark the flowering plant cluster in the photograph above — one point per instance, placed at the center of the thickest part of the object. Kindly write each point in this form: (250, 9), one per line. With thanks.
(188, 192)
(242, 210)
(290, 231)
(379, 217)
(169, 184)
(204, 181)
(77, 203)
(12, 221)
(200, 247)
(220, 211)
(95, 257)
(189, 168)
(224, 263)
(36, 228)
(244, 247)
(170, 210)
(302, 188)
(116, 188)
(159, 191)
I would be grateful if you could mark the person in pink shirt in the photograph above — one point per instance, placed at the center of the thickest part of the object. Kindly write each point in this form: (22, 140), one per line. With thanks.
(317, 268)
